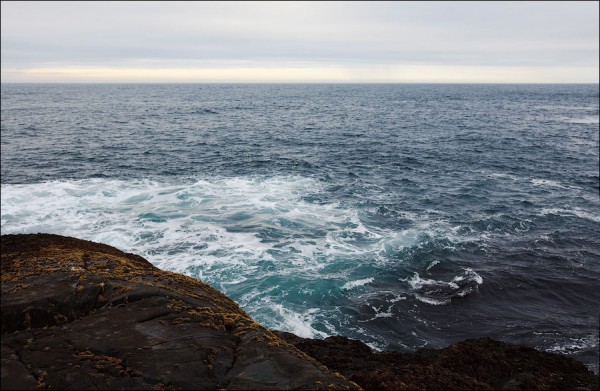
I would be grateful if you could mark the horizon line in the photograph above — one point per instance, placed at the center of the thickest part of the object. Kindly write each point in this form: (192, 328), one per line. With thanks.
(284, 82)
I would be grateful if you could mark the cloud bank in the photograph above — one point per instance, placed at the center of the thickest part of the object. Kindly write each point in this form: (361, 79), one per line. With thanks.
(300, 42)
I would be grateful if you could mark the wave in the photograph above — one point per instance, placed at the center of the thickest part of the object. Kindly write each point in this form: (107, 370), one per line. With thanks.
(356, 283)
(587, 120)
(571, 212)
(218, 223)
(299, 323)
(239, 234)
(437, 292)
(552, 183)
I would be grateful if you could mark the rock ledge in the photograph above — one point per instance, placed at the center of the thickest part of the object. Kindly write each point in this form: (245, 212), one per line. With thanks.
(82, 315)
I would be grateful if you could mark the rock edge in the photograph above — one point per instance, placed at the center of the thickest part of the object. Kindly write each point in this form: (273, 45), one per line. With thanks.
(83, 315)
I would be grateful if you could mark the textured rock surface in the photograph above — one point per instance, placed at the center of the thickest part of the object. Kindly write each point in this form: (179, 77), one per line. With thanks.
(476, 364)
(82, 315)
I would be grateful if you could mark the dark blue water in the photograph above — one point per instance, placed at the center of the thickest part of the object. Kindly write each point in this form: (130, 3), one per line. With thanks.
(406, 216)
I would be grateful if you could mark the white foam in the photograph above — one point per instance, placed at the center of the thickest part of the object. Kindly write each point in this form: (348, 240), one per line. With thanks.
(215, 228)
(572, 212)
(417, 282)
(575, 345)
(234, 233)
(380, 314)
(590, 119)
(382, 310)
(428, 300)
(298, 323)
(153, 218)
(126, 214)
(551, 183)
(432, 264)
(255, 294)
(438, 292)
(468, 274)
(399, 240)
(586, 215)
(353, 284)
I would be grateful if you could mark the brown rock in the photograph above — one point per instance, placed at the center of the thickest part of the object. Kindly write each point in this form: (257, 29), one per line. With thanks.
(83, 315)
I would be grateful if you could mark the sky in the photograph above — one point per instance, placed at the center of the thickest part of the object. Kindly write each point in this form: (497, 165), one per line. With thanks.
(300, 42)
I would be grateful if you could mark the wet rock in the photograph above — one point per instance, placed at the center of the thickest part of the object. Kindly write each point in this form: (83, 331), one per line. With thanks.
(82, 315)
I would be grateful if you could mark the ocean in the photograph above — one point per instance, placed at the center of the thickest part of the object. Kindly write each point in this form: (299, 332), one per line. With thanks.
(404, 215)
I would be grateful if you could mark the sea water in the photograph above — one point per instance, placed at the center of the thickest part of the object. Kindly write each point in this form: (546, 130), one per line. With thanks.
(405, 215)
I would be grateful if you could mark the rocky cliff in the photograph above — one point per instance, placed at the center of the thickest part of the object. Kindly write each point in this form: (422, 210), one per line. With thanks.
(83, 315)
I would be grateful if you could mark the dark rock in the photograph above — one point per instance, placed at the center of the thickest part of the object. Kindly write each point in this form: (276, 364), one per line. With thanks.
(481, 364)
(82, 315)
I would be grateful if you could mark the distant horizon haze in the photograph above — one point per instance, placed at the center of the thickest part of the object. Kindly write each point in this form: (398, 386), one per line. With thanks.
(300, 42)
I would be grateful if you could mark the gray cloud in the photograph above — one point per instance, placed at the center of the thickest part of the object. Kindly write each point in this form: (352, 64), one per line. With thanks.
(191, 34)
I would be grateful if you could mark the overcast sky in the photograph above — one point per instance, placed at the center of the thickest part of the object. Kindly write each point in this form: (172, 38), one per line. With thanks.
(519, 42)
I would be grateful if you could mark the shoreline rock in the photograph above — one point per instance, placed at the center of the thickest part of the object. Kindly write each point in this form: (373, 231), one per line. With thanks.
(473, 364)
(83, 315)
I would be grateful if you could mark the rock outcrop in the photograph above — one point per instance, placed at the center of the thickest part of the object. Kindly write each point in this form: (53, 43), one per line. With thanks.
(83, 315)
(475, 364)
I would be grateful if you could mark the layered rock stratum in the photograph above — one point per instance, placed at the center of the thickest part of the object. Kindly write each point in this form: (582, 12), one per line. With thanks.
(83, 315)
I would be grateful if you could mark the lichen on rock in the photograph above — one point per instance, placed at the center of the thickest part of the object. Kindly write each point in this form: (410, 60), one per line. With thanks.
(83, 315)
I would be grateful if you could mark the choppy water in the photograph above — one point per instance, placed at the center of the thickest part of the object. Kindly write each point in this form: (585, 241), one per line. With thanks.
(406, 216)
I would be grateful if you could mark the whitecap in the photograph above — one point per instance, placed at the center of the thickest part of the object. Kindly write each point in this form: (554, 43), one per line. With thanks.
(574, 345)
(432, 264)
(353, 284)
(571, 212)
(548, 183)
(438, 292)
(590, 119)
(586, 215)
(297, 323)
(380, 314)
